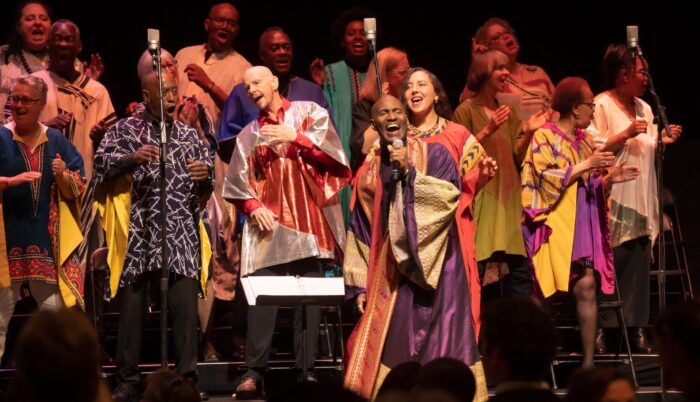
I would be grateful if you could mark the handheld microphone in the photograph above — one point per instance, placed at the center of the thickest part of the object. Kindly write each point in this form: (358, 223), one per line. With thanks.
(370, 25)
(396, 165)
(154, 44)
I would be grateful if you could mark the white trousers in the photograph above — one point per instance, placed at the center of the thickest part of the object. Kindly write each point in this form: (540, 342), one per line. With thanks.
(47, 296)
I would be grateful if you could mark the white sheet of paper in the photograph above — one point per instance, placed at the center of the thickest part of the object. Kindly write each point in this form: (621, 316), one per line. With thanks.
(255, 286)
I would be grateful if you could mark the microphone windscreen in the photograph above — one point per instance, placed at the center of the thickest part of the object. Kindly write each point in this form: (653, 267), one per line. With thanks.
(370, 25)
(153, 39)
(632, 36)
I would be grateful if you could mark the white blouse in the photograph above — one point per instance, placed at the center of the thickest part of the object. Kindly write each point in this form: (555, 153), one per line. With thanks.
(634, 207)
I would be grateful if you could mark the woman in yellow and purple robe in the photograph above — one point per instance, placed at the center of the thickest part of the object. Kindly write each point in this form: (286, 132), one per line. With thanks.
(429, 111)
(565, 215)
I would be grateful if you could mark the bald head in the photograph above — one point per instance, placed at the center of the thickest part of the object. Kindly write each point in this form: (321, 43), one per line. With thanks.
(389, 118)
(262, 87)
(151, 93)
(167, 62)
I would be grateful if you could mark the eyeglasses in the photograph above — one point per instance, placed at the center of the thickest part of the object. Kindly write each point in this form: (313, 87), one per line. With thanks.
(224, 22)
(22, 99)
(170, 65)
(170, 92)
(589, 104)
(499, 36)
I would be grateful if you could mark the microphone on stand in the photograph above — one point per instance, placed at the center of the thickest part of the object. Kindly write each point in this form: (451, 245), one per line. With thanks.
(154, 50)
(154, 45)
(632, 36)
(396, 165)
(370, 26)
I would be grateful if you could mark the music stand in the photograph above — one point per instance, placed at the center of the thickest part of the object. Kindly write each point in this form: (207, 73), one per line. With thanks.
(295, 291)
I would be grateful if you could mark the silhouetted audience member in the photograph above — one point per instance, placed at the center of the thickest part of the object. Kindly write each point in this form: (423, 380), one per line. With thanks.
(168, 386)
(449, 375)
(400, 379)
(676, 335)
(313, 392)
(600, 384)
(518, 342)
(57, 352)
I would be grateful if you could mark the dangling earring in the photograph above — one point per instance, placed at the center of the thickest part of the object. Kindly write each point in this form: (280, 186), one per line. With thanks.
(436, 100)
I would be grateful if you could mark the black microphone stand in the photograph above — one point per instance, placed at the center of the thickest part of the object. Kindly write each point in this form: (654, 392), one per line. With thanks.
(164, 270)
(664, 125)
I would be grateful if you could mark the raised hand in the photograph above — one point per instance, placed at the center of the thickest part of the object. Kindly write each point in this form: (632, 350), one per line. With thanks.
(95, 68)
(316, 71)
(537, 120)
(58, 166)
(499, 117)
(478, 47)
(600, 159)
(197, 75)
(621, 173)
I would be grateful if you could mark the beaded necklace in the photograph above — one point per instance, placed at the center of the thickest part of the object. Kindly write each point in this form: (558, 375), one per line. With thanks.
(431, 132)
(24, 62)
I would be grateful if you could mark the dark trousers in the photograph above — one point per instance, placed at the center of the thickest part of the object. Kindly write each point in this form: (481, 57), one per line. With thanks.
(182, 303)
(262, 320)
(632, 263)
(518, 283)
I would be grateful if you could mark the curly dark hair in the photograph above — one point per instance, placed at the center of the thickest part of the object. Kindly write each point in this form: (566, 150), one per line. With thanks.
(15, 43)
(443, 107)
(342, 20)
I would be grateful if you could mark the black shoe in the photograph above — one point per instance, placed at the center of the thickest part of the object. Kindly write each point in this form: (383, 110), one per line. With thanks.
(600, 346)
(640, 341)
(203, 396)
(126, 392)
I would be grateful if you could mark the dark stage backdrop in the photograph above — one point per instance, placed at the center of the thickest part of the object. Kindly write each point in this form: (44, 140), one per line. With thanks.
(564, 37)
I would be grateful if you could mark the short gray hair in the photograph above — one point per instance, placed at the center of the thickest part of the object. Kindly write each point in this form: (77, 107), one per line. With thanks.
(35, 82)
(67, 22)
